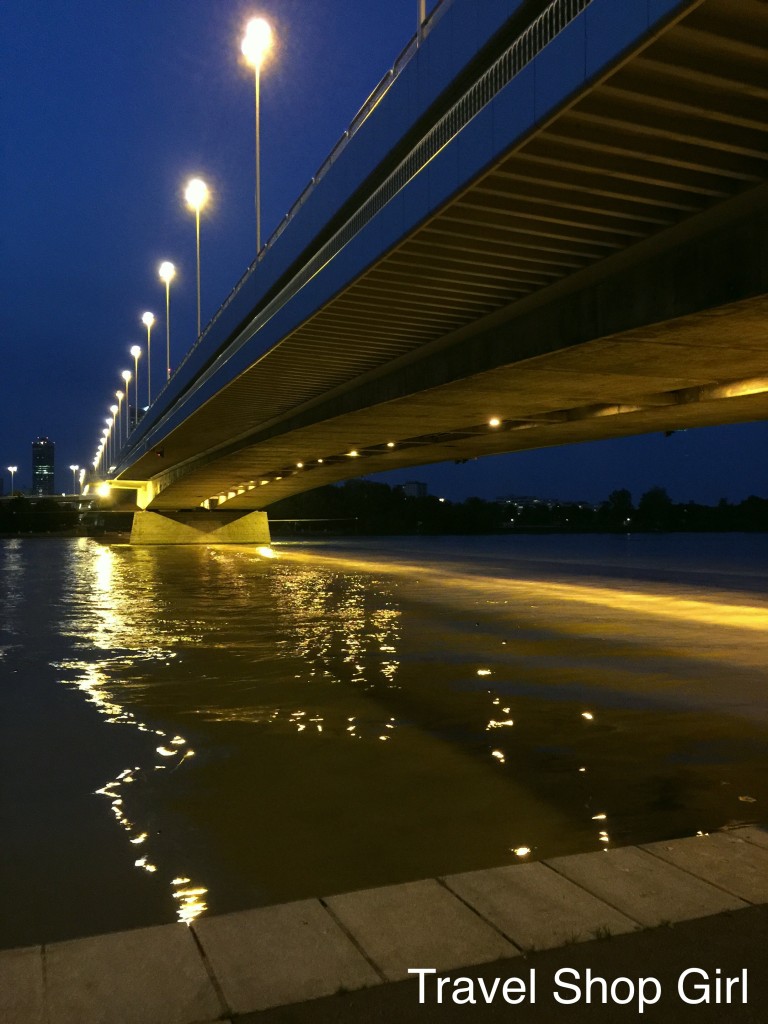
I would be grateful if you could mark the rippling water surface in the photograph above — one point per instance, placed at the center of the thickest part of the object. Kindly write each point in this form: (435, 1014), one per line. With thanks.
(194, 730)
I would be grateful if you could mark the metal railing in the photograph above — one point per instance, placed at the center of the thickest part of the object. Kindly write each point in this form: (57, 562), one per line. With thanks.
(373, 100)
(505, 68)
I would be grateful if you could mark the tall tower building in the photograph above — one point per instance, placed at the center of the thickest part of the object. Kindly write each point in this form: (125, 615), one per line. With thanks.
(42, 466)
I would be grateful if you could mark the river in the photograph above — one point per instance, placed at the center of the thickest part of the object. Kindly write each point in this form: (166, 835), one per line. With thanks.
(189, 730)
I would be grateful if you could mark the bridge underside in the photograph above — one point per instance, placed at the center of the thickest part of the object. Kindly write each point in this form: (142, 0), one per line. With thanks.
(608, 276)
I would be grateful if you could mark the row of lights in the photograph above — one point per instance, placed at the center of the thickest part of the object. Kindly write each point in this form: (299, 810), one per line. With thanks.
(255, 46)
(13, 470)
(494, 422)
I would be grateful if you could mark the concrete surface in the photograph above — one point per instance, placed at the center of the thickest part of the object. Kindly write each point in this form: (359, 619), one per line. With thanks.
(280, 954)
(644, 887)
(537, 908)
(200, 527)
(415, 924)
(324, 960)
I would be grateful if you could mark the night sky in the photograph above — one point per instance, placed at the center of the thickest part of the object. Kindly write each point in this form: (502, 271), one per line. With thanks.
(108, 107)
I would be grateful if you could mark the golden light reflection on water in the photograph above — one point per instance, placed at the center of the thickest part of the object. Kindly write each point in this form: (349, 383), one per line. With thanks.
(113, 628)
(317, 657)
(330, 623)
(663, 605)
(92, 680)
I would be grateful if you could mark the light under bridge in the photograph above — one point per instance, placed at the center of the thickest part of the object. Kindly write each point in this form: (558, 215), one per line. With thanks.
(537, 232)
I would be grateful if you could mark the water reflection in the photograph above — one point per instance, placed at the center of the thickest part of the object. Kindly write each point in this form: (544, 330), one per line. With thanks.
(112, 624)
(124, 623)
(309, 724)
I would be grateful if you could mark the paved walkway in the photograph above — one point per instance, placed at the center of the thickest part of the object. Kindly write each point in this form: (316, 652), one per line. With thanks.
(705, 899)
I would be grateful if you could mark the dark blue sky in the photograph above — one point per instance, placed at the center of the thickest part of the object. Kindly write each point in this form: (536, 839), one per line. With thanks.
(108, 107)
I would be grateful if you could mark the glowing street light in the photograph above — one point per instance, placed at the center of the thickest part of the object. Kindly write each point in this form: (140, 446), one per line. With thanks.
(136, 352)
(74, 478)
(167, 273)
(12, 471)
(196, 195)
(256, 43)
(148, 319)
(126, 375)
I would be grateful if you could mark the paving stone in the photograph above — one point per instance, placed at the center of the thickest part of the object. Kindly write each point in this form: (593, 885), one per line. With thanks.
(752, 834)
(644, 887)
(146, 976)
(418, 924)
(537, 908)
(282, 954)
(724, 859)
(21, 986)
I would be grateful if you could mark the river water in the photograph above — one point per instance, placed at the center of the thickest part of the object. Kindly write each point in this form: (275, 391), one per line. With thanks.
(197, 730)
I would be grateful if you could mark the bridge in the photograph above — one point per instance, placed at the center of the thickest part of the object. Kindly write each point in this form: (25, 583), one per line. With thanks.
(547, 225)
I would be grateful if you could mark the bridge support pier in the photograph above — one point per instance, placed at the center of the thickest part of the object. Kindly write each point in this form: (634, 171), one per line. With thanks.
(200, 527)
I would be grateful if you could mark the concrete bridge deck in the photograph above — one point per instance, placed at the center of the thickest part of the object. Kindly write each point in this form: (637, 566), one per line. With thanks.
(240, 967)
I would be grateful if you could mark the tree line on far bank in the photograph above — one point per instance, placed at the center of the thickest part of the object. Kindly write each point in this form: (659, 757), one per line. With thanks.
(366, 507)
(37, 515)
(362, 506)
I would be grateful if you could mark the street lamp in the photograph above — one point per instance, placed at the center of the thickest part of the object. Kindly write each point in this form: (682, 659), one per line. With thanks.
(12, 470)
(196, 195)
(136, 352)
(148, 319)
(167, 273)
(119, 397)
(110, 443)
(74, 478)
(115, 438)
(255, 46)
(126, 375)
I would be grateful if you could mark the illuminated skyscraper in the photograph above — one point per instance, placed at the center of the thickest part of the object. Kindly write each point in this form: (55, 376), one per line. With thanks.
(42, 466)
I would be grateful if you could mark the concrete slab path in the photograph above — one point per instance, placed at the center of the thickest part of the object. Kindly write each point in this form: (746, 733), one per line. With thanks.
(317, 959)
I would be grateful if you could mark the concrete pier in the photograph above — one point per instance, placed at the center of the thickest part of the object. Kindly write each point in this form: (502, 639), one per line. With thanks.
(232, 966)
(199, 526)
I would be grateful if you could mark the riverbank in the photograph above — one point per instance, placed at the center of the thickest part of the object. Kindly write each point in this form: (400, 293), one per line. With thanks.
(673, 920)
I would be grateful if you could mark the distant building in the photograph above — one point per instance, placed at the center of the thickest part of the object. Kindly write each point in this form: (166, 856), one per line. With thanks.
(43, 460)
(415, 489)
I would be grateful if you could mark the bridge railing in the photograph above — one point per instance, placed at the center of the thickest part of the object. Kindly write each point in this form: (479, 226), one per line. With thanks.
(355, 124)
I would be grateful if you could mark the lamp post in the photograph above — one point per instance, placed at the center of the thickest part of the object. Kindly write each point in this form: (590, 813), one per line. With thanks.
(74, 478)
(255, 46)
(167, 273)
(126, 375)
(115, 439)
(110, 443)
(136, 352)
(148, 319)
(196, 195)
(12, 471)
(119, 397)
